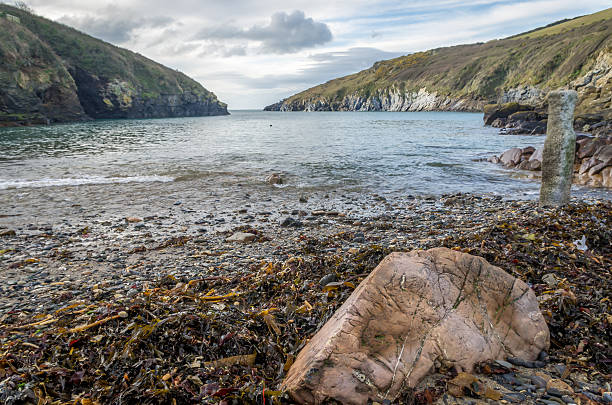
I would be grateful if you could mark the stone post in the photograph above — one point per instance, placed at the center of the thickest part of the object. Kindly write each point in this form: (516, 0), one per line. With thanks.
(559, 149)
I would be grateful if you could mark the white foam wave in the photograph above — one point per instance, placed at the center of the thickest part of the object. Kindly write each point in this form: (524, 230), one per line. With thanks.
(11, 184)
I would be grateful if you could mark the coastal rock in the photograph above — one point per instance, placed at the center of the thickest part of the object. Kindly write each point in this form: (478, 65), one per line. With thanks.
(494, 112)
(526, 94)
(588, 147)
(511, 157)
(537, 154)
(499, 123)
(415, 309)
(592, 170)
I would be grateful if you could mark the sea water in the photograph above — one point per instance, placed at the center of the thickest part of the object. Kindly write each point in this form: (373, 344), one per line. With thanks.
(121, 165)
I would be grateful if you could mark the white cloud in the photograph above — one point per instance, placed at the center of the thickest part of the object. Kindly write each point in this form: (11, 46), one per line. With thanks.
(286, 33)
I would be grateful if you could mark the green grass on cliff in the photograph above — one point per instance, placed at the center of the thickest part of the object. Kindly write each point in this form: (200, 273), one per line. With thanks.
(549, 57)
(79, 50)
(558, 28)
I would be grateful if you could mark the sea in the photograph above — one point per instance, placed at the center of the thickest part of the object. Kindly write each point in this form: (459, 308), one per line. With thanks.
(203, 164)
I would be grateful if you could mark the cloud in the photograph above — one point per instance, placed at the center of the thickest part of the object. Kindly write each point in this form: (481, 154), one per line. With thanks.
(286, 33)
(113, 24)
(323, 67)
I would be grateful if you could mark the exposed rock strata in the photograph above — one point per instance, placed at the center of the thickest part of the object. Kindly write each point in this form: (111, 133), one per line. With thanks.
(414, 310)
(384, 100)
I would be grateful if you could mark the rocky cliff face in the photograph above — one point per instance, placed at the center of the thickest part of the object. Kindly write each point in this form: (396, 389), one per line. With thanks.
(52, 73)
(103, 98)
(595, 88)
(520, 69)
(35, 87)
(384, 100)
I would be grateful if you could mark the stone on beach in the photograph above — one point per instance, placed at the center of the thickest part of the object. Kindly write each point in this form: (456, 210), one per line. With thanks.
(559, 149)
(275, 178)
(242, 237)
(415, 309)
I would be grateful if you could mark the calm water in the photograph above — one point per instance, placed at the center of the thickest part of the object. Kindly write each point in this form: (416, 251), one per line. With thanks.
(125, 164)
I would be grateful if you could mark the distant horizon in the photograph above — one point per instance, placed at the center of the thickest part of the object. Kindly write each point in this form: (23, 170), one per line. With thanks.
(305, 43)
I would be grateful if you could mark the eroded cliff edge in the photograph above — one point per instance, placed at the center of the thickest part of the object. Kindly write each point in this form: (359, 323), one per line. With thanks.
(523, 68)
(50, 72)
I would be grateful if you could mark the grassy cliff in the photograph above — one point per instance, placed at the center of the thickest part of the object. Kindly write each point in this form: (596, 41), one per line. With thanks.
(40, 58)
(466, 77)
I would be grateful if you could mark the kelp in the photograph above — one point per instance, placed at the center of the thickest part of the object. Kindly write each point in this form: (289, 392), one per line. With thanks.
(233, 337)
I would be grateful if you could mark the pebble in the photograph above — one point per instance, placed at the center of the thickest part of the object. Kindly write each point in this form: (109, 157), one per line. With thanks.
(243, 237)
(504, 364)
(326, 279)
(558, 387)
(291, 222)
(538, 381)
(517, 361)
(104, 255)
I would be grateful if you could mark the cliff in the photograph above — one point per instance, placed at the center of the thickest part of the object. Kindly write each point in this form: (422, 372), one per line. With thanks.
(523, 68)
(52, 73)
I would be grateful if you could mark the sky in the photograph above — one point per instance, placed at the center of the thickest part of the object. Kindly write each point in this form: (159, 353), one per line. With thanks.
(252, 53)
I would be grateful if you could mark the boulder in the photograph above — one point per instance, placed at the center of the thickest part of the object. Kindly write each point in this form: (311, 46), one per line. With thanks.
(537, 154)
(589, 146)
(524, 165)
(535, 165)
(529, 150)
(599, 167)
(511, 157)
(587, 164)
(413, 310)
(604, 153)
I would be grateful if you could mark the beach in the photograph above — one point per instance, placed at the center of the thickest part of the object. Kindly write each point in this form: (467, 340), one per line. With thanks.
(161, 307)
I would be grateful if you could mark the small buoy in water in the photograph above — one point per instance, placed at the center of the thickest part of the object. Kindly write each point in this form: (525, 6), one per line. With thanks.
(270, 124)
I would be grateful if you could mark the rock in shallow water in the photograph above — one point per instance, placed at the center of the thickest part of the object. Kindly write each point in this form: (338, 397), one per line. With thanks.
(412, 310)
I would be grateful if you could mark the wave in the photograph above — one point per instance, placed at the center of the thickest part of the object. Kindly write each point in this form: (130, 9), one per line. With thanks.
(12, 184)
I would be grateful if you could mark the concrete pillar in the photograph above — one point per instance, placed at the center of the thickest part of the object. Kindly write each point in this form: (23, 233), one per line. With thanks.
(559, 149)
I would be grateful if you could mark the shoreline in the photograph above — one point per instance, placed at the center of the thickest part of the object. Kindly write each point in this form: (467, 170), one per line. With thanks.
(153, 269)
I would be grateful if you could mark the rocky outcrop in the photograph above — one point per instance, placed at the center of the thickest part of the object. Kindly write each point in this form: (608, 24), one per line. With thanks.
(392, 99)
(592, 163)
(115, 98)
(52, 73)
(515, 119)
(523, 111)
(35, 87)
(416, 310)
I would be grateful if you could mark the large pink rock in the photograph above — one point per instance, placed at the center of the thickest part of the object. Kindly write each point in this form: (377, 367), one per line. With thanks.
(413, 310)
